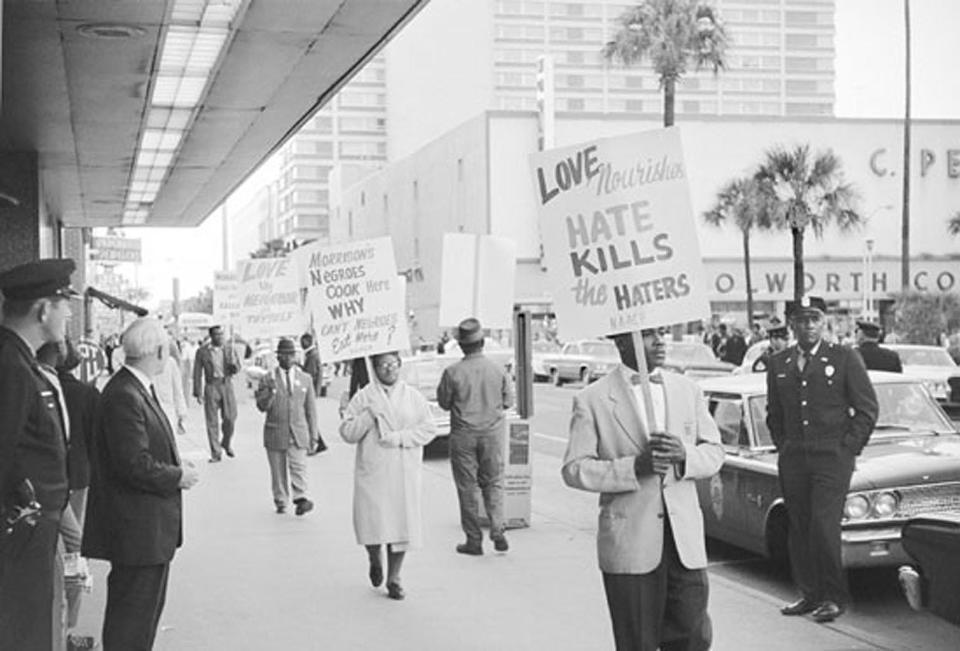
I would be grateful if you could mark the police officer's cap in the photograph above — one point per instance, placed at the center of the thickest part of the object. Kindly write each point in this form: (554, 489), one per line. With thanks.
(869, 328)
(809, 306)
(778, 331)
(48, 278)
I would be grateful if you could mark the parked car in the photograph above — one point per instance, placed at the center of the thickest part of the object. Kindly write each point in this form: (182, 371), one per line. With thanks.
(581, 361)
(910, 466)
(695, 360)
(538, 361)
(933, 541)
(934, 366)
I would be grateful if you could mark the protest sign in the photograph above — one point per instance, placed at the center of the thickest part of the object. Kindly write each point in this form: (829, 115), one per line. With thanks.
(619, 236)
(269, 299)
(226, 299)
(357, 302)
(476, 279)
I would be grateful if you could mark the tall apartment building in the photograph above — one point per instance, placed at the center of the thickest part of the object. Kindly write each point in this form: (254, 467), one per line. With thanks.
(458, 58)
(351, 129)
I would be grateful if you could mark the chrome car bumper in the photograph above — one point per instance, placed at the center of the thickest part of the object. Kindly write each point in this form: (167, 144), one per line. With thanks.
(872, 547)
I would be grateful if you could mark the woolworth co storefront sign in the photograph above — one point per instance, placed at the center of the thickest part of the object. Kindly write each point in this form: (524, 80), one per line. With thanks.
(833, 278)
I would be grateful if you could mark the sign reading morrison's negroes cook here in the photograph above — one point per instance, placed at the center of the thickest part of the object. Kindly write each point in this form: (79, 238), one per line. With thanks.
(618, 234)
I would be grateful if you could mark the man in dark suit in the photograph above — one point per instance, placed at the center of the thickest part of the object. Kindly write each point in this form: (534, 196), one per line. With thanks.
(33, 452)
(312, 366)
(214, 367)
(821, 409)
(134, 516)
(875, 357)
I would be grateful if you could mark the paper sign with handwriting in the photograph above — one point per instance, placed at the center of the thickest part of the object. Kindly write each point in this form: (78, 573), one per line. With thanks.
(269, 299)
(355, 297)
(618, 234)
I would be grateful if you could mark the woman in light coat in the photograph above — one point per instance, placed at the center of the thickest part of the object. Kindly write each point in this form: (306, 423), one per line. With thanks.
(390, 422)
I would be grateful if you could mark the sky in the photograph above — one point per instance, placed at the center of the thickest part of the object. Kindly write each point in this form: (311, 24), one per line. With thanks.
(869, 83)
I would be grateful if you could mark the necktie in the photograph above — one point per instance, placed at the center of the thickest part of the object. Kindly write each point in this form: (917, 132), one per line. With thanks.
(286, 376)
(153, 392)
(801, 360)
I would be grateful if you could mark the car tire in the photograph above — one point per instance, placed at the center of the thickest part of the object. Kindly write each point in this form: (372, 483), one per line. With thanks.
(555, 377)
(584, 376)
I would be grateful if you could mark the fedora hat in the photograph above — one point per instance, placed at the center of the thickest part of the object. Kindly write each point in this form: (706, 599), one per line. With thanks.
(469, 331)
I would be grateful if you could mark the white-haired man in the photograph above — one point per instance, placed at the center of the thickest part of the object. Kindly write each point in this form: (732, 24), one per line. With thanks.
(134, 517)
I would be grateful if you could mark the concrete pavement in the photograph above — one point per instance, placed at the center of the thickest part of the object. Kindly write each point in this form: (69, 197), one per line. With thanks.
(248, 578)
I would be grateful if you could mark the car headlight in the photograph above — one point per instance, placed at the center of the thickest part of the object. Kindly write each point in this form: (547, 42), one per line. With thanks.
(885, 505)
(856, 507)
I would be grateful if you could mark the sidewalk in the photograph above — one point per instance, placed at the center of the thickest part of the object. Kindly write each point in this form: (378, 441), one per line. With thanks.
(247, 578)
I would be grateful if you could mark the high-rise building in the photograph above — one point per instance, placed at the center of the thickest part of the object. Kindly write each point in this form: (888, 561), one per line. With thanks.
(459, 58)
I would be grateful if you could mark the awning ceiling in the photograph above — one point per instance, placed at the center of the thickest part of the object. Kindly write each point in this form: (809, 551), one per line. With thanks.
(77, 77)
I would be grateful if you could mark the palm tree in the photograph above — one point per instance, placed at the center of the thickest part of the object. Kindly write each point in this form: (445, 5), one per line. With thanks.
(800, 190)
(953, 224)
(670, 33)
(739, 202)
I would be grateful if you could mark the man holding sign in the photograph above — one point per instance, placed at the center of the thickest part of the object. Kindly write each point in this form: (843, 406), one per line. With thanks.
(650, 539)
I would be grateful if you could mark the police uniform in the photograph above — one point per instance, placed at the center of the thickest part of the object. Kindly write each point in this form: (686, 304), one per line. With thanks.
(876, 357)
(820, 418)
(32, 447)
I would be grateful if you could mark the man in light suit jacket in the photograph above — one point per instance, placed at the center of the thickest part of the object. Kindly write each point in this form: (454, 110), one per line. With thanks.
(134, 514)
(213, 369)
(650, 540)
(287, 397)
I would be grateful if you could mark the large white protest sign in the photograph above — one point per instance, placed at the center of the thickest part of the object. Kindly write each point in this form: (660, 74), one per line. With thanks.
(356, 299)
(226, 299)
(618, 234)
(476, 279)
(269, 299)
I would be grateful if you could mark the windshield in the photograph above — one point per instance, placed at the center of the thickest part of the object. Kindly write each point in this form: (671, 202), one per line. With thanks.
(925, 357)
(690, 353)
(599, 349)
(904, 406)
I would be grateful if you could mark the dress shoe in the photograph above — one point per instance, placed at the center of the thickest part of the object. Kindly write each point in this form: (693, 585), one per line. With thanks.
(827, 612)
(801, 607)
(213, 460)
(80, 642)
(281, 508)
(500, 543)
(303, 506)
(395, 591)
(376, 574)
(470, 549)
(229, 452)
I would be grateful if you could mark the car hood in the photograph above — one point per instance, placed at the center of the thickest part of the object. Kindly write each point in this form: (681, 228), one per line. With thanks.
(931, 373)
(908, 461)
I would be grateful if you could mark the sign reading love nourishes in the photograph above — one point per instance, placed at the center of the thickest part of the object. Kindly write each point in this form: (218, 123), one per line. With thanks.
(618, 232)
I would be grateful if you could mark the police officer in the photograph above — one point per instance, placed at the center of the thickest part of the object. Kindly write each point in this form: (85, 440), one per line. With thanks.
(33, 450)
(821, 409)
(875, 357)
(778, 341)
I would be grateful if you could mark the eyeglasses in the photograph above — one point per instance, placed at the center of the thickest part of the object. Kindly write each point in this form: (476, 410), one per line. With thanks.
(388, 366)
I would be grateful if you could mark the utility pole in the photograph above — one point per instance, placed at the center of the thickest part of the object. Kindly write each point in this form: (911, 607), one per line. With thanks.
(905, 219)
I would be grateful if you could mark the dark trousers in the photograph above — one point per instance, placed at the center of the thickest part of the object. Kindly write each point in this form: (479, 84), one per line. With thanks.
(218, 400)
(27, 586)
(135, 598)
(477, 460)
(664, 609)
(815, 482)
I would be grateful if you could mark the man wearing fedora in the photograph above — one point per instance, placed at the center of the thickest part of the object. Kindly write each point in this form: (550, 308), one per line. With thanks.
(476, 391)
(875, 357)
(286, 396)
(821, 409)
(33, 451)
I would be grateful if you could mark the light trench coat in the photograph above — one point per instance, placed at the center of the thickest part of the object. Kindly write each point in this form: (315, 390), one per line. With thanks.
(390, 428)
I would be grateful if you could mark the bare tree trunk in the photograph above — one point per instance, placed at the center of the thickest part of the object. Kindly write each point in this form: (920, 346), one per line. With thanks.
(798, 279)
(746, 273)
(669, 94)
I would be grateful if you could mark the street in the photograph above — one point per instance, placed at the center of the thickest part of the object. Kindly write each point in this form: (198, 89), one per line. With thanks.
(247, 578)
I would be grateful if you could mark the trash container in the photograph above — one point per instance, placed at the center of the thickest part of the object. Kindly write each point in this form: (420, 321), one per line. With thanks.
(934, 543)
